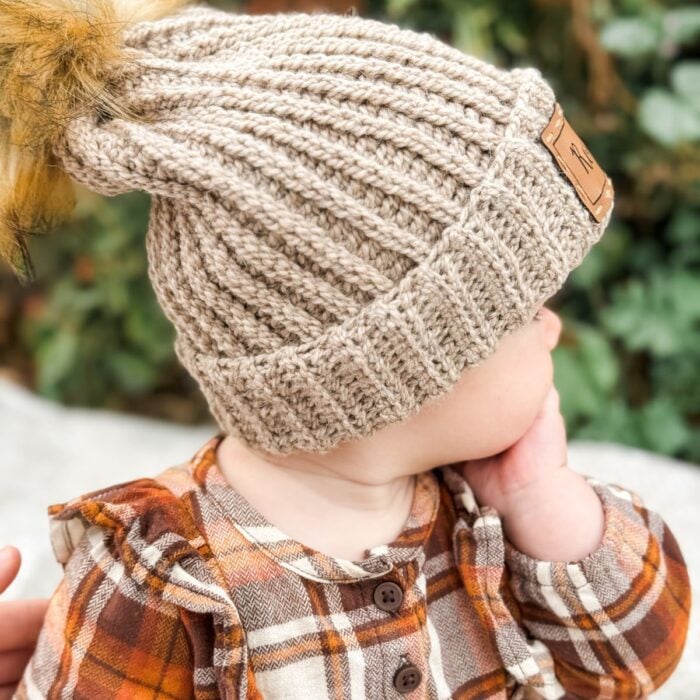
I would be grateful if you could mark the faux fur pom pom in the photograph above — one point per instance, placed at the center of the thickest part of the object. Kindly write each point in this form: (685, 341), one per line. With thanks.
(56, 59)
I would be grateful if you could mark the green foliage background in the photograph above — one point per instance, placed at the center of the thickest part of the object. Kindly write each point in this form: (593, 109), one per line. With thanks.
(627, 74)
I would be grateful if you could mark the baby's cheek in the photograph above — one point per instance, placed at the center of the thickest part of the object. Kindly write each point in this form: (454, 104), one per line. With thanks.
(493, 406)
(526, 399)
(495, 427)
(513, 428)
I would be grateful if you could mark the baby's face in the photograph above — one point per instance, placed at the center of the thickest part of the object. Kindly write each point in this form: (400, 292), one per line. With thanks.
(488, 410)
(492, 405)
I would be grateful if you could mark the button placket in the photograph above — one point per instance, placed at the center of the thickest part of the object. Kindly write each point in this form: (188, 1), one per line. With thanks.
(389, 596)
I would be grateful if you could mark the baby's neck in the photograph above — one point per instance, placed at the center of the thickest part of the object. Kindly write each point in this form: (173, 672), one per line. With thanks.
(332, 514)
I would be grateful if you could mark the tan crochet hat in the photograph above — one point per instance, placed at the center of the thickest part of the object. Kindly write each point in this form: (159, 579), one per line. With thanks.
(345, 214)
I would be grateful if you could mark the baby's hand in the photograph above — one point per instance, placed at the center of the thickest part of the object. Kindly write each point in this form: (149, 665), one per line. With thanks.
(549, 511)
(20, 622)
(520, 473)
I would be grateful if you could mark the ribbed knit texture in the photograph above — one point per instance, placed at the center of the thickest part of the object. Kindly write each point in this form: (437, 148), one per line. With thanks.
(345, 214)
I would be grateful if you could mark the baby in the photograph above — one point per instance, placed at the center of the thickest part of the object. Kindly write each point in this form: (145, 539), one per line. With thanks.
(354, 230)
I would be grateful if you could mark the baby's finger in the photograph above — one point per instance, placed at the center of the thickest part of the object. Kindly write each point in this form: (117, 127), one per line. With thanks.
(550, 405)
(551, 401)
(21, 621)
(12, 665)
(10, 560)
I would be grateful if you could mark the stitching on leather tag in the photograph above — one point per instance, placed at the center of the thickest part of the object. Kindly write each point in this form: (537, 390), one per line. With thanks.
(592, 185)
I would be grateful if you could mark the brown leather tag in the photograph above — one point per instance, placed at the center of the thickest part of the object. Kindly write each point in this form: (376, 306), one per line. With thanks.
(593, 186)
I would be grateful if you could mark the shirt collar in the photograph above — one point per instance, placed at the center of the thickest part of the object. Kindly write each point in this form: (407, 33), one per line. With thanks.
(235, 511)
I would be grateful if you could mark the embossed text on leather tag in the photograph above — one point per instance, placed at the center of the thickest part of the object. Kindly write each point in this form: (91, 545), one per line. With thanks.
(592, 185)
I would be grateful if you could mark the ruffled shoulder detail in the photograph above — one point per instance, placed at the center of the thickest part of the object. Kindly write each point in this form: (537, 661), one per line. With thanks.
(149, 527)
(151, 504)
(144, 535)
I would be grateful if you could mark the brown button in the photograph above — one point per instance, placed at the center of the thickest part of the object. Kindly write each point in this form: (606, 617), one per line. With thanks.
(407, 678)
(388, 596)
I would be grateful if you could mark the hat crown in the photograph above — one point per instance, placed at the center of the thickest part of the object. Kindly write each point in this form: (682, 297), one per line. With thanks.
(345, 215)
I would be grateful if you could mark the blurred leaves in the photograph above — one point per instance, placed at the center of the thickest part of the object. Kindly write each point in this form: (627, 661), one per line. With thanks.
(668, 117)
(631, 36)
(685, 80)
(96, 334)
(651, 32)
(682, 24)
(660, 314)
(586, 371)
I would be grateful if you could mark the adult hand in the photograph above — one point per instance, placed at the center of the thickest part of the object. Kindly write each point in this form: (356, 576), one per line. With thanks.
(20, 622)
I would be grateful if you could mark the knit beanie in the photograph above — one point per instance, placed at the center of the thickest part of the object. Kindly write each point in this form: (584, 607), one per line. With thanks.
(345, 214)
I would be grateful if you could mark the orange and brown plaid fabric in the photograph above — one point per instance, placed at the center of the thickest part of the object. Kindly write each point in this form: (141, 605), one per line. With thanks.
(175, 587)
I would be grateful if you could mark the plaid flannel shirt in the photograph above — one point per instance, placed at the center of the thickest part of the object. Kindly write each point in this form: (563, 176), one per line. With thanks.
(175, 587)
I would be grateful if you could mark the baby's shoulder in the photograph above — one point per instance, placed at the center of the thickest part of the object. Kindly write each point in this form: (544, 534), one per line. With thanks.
(143, 539)
(144, 509)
